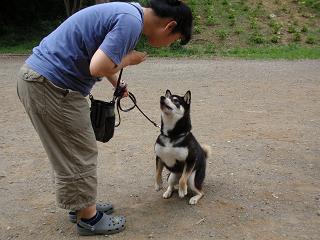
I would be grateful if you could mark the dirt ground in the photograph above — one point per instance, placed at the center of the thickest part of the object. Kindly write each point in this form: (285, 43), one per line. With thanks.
(261, 119)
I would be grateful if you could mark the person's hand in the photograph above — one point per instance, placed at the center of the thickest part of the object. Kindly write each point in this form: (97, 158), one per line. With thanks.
(123, 90)
(125, 93)
(136, 57)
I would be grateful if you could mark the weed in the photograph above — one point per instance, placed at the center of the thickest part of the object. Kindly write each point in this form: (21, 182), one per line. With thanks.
(292, 29)
(238, 31)
(253, 24)
(275, 26)
(210, 49)
(304, 29)
(197, 29)
(311, 39)
(275, 39)
(211, 20)
(222, 34)
(226, 2)
(175, 46)
(297, 37)
(232, 22)
(256, 38)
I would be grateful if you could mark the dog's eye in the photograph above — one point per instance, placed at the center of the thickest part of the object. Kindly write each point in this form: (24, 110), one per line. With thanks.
(176, 102)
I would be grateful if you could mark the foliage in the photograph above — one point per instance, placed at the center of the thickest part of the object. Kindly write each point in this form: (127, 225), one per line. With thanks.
(221, 27)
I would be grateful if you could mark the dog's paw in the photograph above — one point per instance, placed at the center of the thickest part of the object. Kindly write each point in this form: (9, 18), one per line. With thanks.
(167, 194)
(183, 191)
(194, 200)
(158, 187)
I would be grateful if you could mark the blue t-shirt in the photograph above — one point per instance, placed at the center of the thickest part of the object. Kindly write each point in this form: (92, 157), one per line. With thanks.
(64, 56)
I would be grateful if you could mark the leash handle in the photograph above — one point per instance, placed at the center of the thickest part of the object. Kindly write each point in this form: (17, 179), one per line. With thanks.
(121, 86)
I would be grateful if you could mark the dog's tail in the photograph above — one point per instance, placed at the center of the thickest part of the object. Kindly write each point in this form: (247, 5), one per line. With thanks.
(206, 149)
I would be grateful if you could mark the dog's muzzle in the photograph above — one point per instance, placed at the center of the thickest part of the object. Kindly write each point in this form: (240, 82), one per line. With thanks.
(163, 103)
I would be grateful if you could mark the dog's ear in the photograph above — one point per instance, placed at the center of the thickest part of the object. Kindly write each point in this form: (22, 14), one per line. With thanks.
(187, 97)
(168, 93)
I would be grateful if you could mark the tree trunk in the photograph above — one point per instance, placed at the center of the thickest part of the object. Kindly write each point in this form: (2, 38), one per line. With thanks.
(72, 6)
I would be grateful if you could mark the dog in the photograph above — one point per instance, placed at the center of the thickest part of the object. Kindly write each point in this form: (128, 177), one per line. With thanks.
(178, 150)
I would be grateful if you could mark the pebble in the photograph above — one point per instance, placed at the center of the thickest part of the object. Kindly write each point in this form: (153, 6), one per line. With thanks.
(318, 212)
(272, 15)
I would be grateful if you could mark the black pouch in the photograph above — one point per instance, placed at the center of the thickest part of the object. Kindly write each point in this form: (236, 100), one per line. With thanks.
(102, 119)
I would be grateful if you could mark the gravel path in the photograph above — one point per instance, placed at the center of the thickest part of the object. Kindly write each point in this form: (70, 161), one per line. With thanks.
(261, 119)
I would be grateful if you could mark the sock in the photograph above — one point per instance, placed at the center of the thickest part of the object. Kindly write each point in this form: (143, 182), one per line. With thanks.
(92, 221)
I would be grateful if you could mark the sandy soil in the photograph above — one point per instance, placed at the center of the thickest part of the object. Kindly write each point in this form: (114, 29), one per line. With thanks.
(261, 119)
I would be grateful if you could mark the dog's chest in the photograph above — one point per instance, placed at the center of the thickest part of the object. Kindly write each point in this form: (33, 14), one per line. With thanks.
(168, 153)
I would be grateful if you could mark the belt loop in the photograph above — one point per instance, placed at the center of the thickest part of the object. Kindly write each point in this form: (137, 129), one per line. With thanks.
(66, 92)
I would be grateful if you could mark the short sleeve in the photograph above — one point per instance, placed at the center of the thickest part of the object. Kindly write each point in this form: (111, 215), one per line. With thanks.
(122, 38)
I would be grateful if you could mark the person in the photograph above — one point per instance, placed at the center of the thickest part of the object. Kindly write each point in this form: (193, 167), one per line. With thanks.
(54, 81)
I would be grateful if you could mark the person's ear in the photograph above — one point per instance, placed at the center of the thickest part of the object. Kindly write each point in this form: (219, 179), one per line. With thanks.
(171, 25)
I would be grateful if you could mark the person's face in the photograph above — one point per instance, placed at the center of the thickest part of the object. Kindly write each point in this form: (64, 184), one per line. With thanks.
(163, 36)
(163, 40)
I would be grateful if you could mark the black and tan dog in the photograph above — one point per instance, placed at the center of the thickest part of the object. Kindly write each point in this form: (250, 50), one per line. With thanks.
(177, 149)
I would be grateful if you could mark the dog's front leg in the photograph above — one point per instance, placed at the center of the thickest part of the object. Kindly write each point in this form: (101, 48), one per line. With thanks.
(159, 168)
(183, 187)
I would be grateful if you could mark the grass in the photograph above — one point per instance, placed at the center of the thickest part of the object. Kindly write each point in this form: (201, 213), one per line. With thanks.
(22, 41)
(19, 48)
(286, 29)
(291, 52)
(258, 29)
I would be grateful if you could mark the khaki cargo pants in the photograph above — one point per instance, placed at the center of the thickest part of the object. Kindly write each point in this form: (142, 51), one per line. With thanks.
(62, 120)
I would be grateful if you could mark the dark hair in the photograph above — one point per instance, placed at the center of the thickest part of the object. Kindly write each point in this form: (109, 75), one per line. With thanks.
(179, 12)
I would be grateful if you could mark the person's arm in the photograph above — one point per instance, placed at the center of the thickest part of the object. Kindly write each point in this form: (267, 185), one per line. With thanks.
(101, 65)
(113, 79)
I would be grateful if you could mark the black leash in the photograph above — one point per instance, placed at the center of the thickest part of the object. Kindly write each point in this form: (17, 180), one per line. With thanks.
(117, 96)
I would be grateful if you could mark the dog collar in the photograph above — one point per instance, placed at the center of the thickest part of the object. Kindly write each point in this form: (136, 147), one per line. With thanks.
(176, 137)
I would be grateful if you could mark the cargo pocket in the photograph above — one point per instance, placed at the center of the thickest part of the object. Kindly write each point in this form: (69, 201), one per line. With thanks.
(34, 90)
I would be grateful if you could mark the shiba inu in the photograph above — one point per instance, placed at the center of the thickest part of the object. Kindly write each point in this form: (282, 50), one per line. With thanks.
(178, 150)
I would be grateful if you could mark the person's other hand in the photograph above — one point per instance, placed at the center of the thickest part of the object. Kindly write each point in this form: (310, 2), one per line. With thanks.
(125, 92)
(136, 57)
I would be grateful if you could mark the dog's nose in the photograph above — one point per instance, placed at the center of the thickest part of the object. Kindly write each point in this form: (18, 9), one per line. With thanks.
(162, 99)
